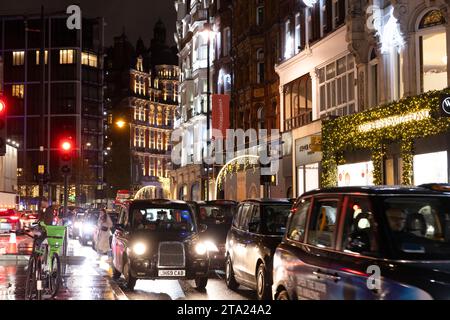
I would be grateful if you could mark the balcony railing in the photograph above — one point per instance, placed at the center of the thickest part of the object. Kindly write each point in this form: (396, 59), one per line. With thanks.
(298, 121)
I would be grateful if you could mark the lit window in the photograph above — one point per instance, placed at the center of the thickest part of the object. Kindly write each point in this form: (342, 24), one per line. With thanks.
(18, 90)
(66, 56)
(89, 59)
(433, 52)
(297, 33)
(38, 58)
(18, 58)
(260, 65)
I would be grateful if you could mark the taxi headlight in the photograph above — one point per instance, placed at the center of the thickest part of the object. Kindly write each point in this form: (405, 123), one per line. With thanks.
(211, 246)
(200, 248)
(139, 248)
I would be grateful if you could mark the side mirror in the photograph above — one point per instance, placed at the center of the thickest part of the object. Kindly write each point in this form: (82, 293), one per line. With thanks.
(202, 227)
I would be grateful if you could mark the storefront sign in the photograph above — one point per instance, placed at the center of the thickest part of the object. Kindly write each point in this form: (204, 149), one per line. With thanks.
(445, 105)
(394, 121)
(307, 150)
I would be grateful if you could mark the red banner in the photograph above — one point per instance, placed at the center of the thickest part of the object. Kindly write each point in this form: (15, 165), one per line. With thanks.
(220, 115)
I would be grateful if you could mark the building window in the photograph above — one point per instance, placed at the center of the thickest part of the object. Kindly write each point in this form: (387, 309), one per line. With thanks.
(66, 56)
(139, 64)
(432, 52)
(142, 138)
(373, 79)
(18, 58)
(89, 59)
(298, 35)
(261, 118)
(226, 43)
(288, 45)
(18, 90)
(337, 87)
(260, 14)
(260, 65)
(298, 103)
(38, 58)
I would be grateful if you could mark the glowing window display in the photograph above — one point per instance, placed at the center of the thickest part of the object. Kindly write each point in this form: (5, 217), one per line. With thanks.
(356, 174)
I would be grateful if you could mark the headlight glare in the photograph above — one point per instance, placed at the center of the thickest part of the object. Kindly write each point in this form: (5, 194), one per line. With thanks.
(200, 248)
(211, 246)
(139, 248)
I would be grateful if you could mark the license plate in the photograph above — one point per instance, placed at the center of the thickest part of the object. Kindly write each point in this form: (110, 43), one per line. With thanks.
(5, 226)
(171, 273)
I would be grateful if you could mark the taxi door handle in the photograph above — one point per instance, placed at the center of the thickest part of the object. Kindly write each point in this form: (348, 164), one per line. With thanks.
(333, 277)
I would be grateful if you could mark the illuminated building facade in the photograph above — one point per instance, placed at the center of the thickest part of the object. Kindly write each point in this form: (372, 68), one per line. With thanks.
(141, 102)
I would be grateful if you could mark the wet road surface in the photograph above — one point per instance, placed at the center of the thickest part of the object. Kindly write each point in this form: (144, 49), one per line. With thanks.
(88, 276)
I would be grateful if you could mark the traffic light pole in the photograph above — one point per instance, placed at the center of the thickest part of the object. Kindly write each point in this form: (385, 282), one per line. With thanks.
(42, 126)
(66, 194)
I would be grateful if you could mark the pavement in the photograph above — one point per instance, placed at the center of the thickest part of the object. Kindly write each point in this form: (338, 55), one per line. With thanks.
(88, 276)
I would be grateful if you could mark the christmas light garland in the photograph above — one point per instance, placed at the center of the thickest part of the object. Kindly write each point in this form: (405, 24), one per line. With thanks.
(343, 135)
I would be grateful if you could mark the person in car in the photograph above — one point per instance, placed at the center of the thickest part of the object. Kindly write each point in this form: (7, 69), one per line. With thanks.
(138, 220)
(397, 219)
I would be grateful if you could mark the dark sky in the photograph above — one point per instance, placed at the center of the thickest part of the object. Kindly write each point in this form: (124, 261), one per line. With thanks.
(138, 17)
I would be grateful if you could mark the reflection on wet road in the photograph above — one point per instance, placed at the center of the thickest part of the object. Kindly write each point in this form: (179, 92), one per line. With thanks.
(88, 276)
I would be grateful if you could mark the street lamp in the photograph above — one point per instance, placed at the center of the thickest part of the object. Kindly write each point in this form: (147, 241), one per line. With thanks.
(208, 33)
(120, 124)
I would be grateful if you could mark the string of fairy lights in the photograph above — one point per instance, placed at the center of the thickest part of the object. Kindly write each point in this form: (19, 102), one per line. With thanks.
(343, 135)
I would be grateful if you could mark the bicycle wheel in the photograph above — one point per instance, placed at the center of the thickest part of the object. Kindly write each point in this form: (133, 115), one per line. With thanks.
(55, 275)
(30, 285)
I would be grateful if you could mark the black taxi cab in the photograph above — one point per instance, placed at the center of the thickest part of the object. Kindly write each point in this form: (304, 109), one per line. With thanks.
(256, 230)
(158, 239)
(366, 243)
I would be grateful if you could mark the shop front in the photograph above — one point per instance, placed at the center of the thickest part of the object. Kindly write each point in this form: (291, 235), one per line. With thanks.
(307, 163)
(405, 142)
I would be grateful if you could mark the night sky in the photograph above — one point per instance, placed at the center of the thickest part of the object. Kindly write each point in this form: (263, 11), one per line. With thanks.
(138, 17)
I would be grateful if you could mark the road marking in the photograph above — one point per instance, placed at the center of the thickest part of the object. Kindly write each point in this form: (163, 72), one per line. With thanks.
(118, 292)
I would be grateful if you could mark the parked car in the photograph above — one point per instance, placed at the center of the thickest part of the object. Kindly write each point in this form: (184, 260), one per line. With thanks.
(9, 221)
(28, 218)
(217, 215)
(366, 243)
(159, 239)
(256, 231)
(88, 226)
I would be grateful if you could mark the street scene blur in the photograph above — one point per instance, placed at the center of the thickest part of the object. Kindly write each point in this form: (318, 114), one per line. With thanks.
(224, 150)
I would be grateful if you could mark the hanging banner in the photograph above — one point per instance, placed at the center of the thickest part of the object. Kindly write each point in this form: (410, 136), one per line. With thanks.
(220, 115)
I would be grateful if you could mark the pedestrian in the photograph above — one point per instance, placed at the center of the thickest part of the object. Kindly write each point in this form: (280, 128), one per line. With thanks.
(46, 212)
(104, 225)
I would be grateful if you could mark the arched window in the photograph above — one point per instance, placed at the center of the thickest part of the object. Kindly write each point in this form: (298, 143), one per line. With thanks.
(260, 12)
(432, 51)
(261, 114)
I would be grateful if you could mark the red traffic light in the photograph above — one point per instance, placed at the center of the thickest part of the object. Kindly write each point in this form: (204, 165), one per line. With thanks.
(2, 106)
(66, 146)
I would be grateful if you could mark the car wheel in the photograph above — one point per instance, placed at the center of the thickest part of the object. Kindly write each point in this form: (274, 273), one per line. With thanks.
(262, 284)
(282, 295)
(129, 279)
(229, 275)
(201, 282)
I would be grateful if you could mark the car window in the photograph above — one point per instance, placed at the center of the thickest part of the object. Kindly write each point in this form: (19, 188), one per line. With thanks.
(275, 218)
(297, 225)
(419, 227)
(237, 217)
(359, 231)
(245, 216)
(255, 220)
(322, 227)
(162, 219)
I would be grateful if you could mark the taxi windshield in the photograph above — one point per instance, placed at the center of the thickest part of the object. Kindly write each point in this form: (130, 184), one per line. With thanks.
(419, 226)
(162, 219)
